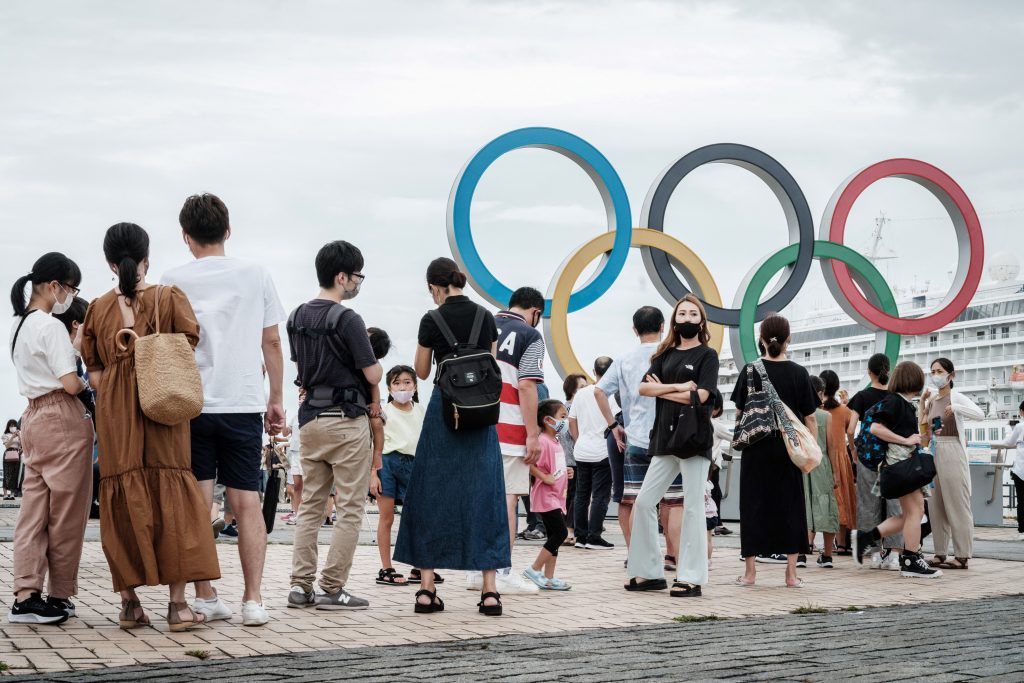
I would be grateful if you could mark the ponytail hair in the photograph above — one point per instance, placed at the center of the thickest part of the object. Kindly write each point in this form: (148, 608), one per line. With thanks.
(125, 246)
(774, 335)
(879, 366)
(444, 272)
(829, 385)
(50, 267)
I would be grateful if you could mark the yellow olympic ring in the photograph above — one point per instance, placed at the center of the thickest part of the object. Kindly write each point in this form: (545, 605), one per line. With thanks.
(556, 327)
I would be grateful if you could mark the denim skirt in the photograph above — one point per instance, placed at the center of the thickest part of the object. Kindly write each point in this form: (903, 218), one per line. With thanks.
(454, 515)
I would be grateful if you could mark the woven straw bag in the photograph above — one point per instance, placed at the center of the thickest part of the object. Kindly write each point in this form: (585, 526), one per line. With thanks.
(170, 389)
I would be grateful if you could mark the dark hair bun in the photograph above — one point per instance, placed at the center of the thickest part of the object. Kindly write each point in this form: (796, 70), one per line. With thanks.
(457, 279)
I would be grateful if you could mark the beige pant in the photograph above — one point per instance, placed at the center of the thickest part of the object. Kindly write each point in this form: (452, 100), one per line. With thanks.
(949, 509)
(57, 436)
(335, 452)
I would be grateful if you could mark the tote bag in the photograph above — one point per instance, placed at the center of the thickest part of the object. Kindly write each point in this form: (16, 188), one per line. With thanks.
(801, 445)
(757, 420)
(170, 389)
(692, 434)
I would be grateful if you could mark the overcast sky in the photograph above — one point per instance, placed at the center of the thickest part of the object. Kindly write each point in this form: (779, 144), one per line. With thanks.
(317, 121)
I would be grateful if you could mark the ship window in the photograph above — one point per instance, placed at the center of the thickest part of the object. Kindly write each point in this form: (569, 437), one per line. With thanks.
(846, 351)
(1005, 332)
(864, 347)
(807, 354)
(1006, 399)
(981, 334)
(956, 336)
(933, 340)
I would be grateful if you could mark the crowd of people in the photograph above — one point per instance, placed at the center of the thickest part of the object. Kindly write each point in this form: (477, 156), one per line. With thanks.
(648, 435)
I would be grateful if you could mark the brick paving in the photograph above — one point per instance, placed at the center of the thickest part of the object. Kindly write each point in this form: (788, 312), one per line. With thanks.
(909, 642)
(93, 640)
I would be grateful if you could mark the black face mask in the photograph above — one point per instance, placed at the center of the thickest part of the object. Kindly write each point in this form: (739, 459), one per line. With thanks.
(688, 330)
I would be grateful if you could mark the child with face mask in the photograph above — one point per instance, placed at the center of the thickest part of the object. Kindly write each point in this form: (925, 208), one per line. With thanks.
(942, 414)
(548, 494)
(403, 419)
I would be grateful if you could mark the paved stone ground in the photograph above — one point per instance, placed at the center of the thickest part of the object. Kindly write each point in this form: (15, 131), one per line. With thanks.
(93, 641)
(958, 641)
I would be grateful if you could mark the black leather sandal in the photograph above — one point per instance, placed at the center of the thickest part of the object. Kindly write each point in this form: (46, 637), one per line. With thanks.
(490, 610)
(416, 577)
(681, 589)
(436, 603)
(646, 585)
(389, 577)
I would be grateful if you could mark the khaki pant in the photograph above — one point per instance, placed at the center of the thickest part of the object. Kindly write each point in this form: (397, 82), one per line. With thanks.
(335, 452)
(57, 436)
(949, 509)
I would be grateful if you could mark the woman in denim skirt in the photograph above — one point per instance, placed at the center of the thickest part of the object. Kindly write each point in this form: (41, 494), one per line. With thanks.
(454, 515)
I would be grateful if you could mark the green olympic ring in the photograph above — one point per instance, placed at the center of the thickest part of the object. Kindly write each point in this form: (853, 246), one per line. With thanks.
(866, 275)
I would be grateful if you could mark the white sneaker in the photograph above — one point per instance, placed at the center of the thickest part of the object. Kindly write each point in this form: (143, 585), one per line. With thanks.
(513, 584)
(213, 609)
(891, 562)
(1020, 536)
(253, 613)
(474, 581)
(876, 561)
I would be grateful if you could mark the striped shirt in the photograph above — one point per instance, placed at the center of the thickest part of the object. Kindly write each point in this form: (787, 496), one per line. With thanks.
(520, 357)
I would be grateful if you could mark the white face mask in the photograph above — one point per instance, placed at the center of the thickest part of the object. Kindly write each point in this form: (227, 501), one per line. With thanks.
(60, 308)
(560, 426)
(402, 397)
(939, 381)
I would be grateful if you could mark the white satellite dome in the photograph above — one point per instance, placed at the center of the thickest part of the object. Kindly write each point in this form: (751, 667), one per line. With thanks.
(1003, 267)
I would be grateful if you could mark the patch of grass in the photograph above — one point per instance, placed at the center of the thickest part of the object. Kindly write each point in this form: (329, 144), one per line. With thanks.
(809, 609)
(853, 608)
(198, 654)
(694, 618)
(4, 666)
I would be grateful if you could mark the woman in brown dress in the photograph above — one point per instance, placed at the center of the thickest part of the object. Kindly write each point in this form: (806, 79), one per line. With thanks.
(839, 456)
(154, 524)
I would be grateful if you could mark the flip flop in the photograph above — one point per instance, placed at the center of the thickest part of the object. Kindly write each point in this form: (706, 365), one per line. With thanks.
(799, 584)
(740, 582)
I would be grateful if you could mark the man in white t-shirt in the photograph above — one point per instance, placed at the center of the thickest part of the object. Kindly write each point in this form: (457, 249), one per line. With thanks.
(593, 473)
(238, 311)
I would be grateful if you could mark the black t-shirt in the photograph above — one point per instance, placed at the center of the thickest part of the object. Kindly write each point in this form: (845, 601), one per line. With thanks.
(790, 380)
(459, 312)
(335, 361)
(864, 399)
(698, 365)
(898, 414)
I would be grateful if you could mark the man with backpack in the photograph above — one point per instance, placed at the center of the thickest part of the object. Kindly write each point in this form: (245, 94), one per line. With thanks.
(336, 368)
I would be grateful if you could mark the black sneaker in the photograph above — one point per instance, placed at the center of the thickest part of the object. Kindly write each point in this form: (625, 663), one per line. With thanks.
(35, 610)
(774, 558)
(825, 562)
(801, 561)
(722, 531)
(231, 531)
(62, 603)
(598, 543)
(913, 565)
(860, 542)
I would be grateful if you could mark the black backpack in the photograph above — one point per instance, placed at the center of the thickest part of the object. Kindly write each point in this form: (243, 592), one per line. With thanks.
(468, 378)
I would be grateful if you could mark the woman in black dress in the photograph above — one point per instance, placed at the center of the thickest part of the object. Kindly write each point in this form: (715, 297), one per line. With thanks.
(771, 486)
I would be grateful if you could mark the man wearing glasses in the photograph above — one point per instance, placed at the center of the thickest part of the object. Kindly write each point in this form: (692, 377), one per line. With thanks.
(337, 369)
(239, 312)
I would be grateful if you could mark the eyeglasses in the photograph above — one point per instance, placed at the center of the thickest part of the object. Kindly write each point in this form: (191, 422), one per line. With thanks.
(357, 275)
(66, 287)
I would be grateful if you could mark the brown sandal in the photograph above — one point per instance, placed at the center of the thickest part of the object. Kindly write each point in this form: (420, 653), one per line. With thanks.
(132, 615)
(937, 561)
(955, 563)
(174, 620)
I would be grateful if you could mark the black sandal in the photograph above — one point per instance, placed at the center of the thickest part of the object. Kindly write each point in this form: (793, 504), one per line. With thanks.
(670, 563)
(389, 577)
(416, 577)
(646, 585)
(436, 603)
(681, 589)
(490, 610)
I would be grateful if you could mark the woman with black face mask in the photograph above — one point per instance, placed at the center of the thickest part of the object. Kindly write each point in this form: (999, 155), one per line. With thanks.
(684, 372)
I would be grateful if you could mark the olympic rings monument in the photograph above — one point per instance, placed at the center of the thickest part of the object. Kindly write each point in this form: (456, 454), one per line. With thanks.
(843, 268)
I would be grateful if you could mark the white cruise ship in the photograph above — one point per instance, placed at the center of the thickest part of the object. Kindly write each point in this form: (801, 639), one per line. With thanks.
(985, 343)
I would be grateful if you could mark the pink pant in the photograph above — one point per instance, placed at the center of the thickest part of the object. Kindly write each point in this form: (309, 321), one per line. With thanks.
(57, 438)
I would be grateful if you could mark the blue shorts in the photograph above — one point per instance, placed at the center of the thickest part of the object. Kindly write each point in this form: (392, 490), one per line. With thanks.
(395, 472)
(227, 447)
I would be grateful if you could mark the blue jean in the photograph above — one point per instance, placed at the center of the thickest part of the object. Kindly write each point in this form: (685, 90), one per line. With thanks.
(593, 490)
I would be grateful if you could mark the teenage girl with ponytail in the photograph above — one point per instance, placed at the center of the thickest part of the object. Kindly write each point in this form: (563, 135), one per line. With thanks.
(872, 509)
(56, 436)
(154, 522)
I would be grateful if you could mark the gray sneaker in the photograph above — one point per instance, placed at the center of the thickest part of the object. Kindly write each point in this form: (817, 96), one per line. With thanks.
(340, 600)
(300, 598)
